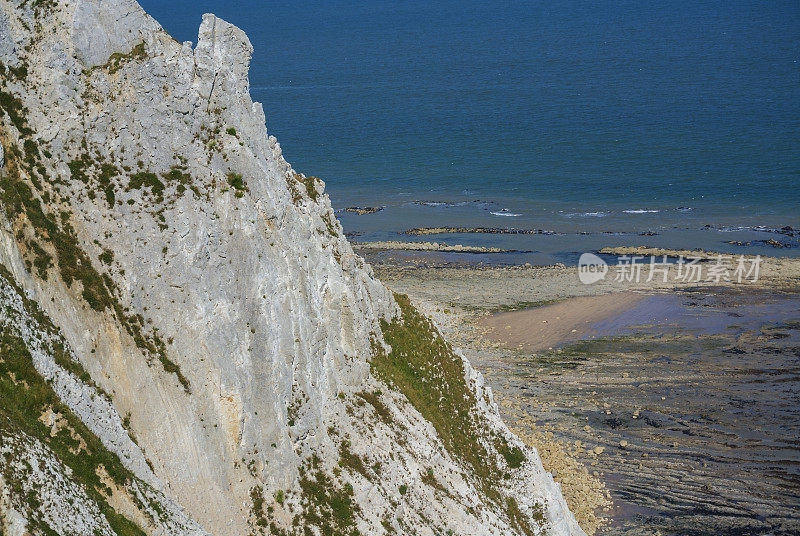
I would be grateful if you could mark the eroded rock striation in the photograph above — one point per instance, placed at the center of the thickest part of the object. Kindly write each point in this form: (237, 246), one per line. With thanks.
(189, 343)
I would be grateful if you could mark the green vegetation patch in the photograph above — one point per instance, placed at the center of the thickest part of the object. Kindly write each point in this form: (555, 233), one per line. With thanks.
(380, 408)
(107, 172)
(425, 369)
(328, 220)
(24, 397)
(181, 178)
(309, 185)
(520, 520)
(257, 496)
(513, 455)
(118, 60)
(107, 256)
(57, 347)
(297, 197)
(86, 170)
(423, 366)
(352, 461)
(79, 168)
(72, 261)
(429, 479)
(42, 260)
(12, 107)
(236, 182)
(327, 505)
(147, 179)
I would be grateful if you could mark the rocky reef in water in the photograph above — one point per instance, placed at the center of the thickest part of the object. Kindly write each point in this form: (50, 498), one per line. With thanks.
(188, 343)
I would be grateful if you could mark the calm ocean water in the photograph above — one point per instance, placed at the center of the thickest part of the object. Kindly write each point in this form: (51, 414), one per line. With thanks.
(622, 117)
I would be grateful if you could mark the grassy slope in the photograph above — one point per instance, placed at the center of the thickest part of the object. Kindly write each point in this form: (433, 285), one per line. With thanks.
(424, 367)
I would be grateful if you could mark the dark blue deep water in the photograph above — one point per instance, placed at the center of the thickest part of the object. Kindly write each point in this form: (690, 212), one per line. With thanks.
(566, 114)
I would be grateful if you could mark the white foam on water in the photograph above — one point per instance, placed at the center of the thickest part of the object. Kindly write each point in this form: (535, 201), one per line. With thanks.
(598, 214)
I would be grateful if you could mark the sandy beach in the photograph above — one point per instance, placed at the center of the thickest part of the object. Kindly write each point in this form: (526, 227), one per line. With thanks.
(629, 391)
(541, 328)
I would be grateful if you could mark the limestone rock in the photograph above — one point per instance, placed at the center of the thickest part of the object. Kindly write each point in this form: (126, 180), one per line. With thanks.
(191, 308)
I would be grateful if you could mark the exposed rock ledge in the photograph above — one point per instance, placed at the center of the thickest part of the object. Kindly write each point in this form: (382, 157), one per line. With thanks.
(426, 246)
(190, 345)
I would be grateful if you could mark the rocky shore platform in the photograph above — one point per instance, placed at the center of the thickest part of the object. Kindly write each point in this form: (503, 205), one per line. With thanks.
(661, 408)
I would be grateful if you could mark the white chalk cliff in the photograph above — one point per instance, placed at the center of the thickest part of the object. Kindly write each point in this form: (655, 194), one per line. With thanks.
(188, 343)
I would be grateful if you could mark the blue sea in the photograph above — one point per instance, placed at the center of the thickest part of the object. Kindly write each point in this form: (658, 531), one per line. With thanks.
(672, 124)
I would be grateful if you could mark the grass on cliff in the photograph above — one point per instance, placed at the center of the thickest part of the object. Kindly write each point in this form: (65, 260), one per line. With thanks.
(73, 263)
(309, 185)
(24, 397)
(423, 366)
(12, 107)
(118, 60)
(327, 505)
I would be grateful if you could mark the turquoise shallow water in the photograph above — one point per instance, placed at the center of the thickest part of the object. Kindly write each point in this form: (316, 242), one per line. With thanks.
(571, 116)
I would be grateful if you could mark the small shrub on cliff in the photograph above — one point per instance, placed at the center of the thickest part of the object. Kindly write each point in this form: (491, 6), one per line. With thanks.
(257, 496)
(147, 179)
(237, 183)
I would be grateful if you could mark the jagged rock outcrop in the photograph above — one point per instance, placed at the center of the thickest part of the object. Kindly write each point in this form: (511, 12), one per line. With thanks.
(196, 347)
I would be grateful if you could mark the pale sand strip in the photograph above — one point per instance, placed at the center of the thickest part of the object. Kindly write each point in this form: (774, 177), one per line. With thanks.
(541, 328)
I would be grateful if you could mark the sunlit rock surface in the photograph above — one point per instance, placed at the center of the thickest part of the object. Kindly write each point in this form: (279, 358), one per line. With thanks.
(197, 334)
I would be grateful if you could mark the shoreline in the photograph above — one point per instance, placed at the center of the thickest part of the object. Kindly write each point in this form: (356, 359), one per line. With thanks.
(560, 236)
(515, 324)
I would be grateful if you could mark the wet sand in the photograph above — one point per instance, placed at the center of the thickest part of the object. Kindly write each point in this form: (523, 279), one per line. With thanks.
(542, 328)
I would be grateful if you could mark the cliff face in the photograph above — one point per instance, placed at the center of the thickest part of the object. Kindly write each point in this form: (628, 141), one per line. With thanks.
(189, 343)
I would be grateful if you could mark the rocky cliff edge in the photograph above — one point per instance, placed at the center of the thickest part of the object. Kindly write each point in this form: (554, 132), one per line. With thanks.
(189, 343)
